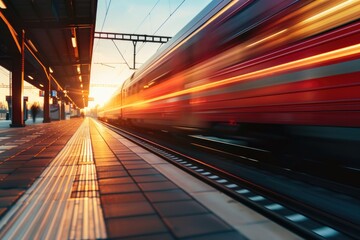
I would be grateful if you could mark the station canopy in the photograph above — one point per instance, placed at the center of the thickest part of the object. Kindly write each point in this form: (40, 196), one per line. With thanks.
(59, 37)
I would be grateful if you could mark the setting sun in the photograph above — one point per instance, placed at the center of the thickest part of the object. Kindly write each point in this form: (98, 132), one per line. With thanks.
(105, 79)
(100, 95)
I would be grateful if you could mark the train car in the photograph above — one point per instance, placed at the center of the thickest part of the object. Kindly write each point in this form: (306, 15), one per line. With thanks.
(280, 67)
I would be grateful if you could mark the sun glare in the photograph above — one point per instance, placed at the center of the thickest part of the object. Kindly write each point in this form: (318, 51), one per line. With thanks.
(100, 95)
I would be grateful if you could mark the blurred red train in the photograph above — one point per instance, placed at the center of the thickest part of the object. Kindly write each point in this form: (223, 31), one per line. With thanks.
(281, 65)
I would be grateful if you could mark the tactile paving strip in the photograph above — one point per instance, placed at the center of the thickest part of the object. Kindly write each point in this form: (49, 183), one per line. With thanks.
(141, 203)
(47, 211)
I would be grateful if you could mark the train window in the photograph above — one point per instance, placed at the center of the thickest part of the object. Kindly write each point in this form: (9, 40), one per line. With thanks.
(143, 84)
(161, 78)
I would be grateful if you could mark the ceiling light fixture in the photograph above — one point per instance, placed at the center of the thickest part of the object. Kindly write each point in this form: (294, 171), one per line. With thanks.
(32, 45)
(2, 5)
(30, 77)
(73, 41)
(78, 69)
(50, 70)
(41, 85)
(80, 78)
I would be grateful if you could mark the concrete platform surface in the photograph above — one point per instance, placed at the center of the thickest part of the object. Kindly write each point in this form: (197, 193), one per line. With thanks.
(76, 179)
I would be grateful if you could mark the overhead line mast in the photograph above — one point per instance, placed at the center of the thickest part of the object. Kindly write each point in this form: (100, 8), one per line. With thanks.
(132, 37)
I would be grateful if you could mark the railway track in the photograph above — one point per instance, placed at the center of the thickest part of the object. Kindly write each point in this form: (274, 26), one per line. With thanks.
(298, 215)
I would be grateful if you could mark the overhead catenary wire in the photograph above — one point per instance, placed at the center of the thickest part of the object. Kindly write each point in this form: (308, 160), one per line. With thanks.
(106, 14)
(103, 24)
(148, 15)
(121, 54)
(170, 15)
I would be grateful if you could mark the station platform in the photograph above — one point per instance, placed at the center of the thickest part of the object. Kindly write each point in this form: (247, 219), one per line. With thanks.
(76, 179)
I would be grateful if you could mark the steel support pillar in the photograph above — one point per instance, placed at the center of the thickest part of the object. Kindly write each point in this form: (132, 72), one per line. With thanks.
(134, 60)
(18, 86)
(47, 118)
(62, 110)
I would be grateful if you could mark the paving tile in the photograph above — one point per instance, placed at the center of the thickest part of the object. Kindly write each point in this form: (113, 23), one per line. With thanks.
(5, 155)
(13, 164)
(7, 201)
(98, 155)
(3, 176)
(134, 226)
(22, 183)
(3, 211)
(54, 148)
(169, 195)
(150, 178)
(84, 194)
(112, 142)
(232, 235)
(31, 169)
(130, 155)
(157, 186)
(11, 192)
(62, 142)
(128, 158)
(110, 168)
(120, 180)
(38, 162)
(133, 162)
(44, 142)
(123, 150)
(179, 208)
(22, 176)
(22, 157)
(6, 170)
(161, 236)
(122, 197)
(119, 188)
(127, 209)
(101, 145)
(47, 154)
(119, 146)
(33, 150)
(140, 172)
(187, 226)
(85, 186)
(112, 163)
(138, 166)
(112, 174)
(101, 150)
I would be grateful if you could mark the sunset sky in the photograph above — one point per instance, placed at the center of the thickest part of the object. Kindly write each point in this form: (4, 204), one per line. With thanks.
(152, 17)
